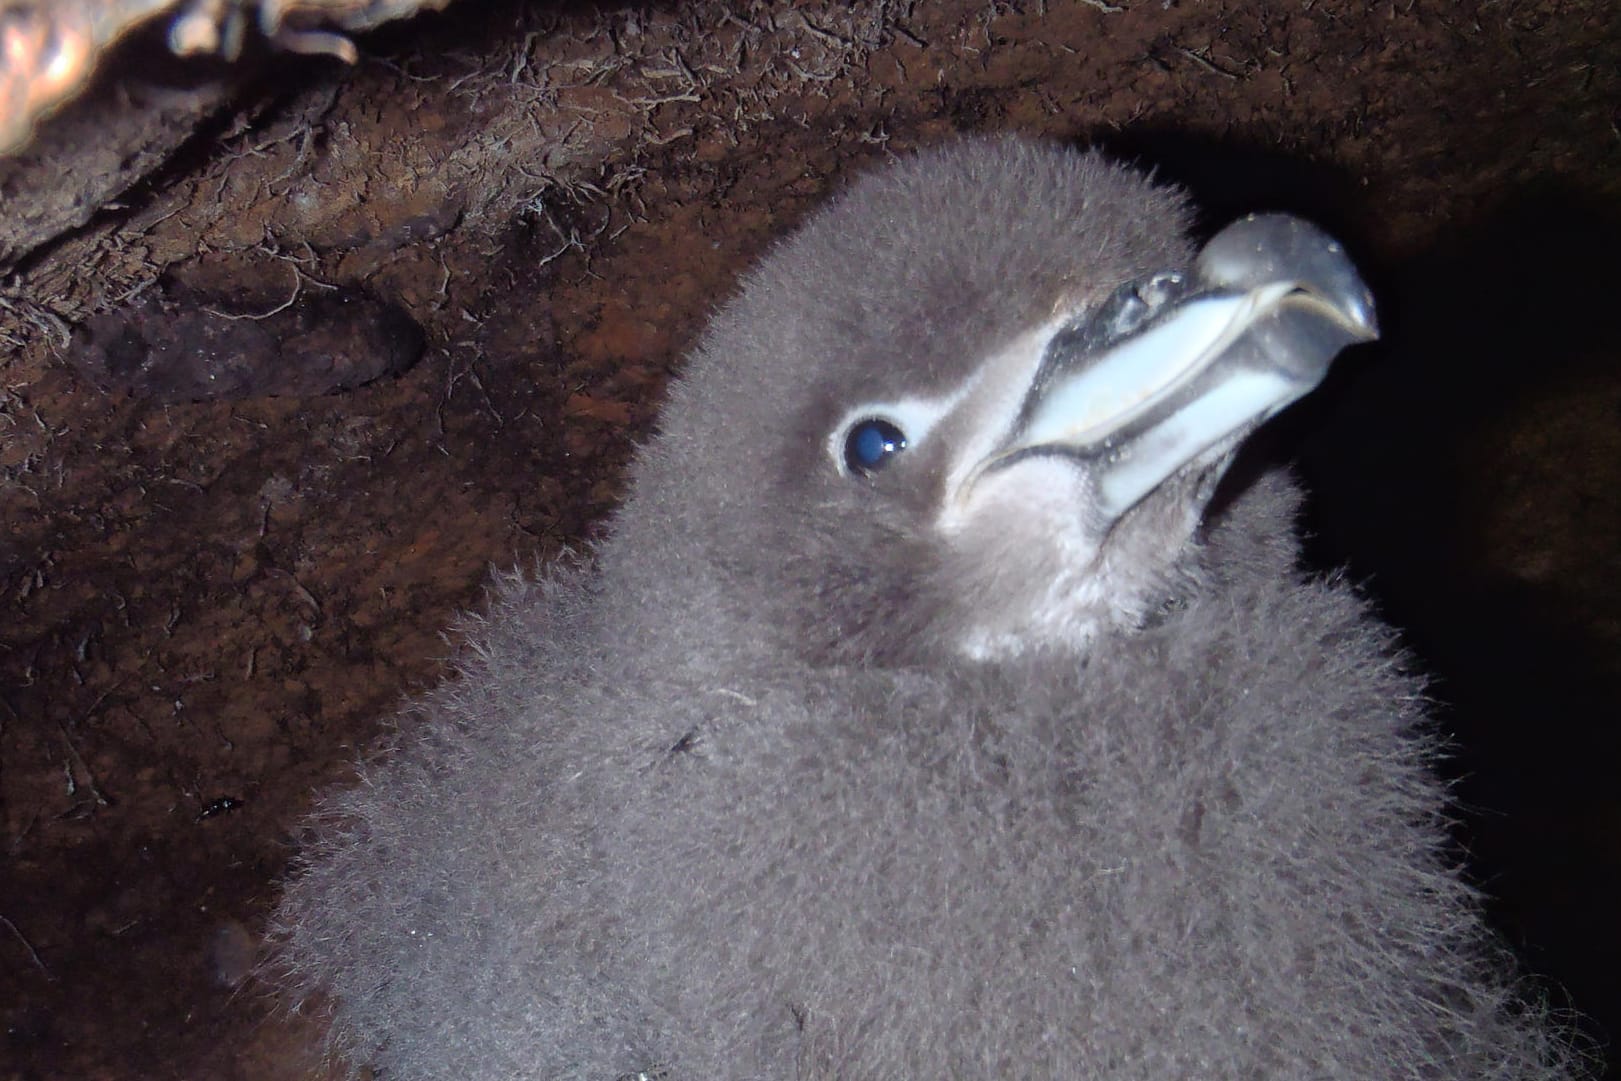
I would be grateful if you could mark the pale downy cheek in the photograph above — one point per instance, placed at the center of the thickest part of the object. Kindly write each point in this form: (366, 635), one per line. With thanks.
(1034, 568)
(1024, 557)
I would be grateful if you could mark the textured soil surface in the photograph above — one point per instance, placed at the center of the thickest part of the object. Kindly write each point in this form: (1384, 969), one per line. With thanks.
(274, 408)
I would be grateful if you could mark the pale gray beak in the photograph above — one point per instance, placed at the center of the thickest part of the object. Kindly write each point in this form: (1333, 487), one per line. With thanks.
(1182, 365)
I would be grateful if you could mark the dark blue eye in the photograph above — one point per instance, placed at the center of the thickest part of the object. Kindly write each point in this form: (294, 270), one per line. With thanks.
(871, 444)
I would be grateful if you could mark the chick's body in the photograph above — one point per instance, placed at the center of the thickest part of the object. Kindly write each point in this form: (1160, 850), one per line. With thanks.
(750, 797)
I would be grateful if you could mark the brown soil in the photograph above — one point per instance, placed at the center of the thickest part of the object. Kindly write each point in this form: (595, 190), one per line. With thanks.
(215, 589)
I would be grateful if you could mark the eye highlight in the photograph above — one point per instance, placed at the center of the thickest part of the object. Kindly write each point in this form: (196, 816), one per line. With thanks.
(871, 444)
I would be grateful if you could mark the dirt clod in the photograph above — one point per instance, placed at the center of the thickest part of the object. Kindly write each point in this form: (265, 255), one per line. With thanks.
(180, 345)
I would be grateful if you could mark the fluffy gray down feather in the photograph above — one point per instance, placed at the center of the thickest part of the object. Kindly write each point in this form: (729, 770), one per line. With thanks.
(645, 832)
